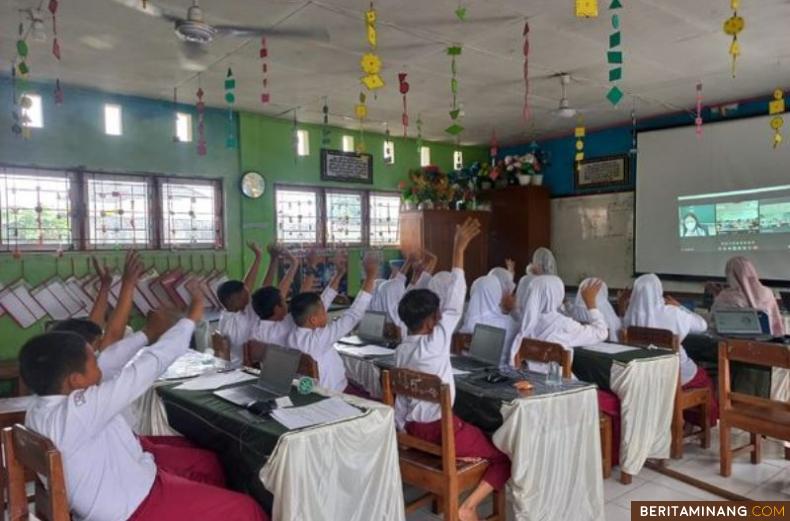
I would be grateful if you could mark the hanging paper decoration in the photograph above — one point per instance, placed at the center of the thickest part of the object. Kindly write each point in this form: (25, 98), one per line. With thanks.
(264, 55)
(526, 68)
(23, 104)
(455, 128)
(633, 150)
(698, 118)
(579, 132)
(361, 111)
(419, 133)
(460, 12)
(404, 89)
(370, 62)
(388, 158)
(201, 107)
(775, 108)
(586, 8)
(732, 27)
(58, 93)
(230, 99)
(494, 147)
(615, 56)
(53, 9)
(325, 131)
(175, 113)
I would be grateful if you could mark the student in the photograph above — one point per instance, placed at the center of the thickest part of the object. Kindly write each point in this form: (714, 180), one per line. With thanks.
(78, 405)
(692, 227)
(542, 319)
(744, 290)
(543, 263)
(275, 322)
(423, 270)
(440, 284)
(427, 350)
(505, 276)
(648, 307)
(489, 305)
(387, 299)
(381, 300)
(316, 336)
(579, 311)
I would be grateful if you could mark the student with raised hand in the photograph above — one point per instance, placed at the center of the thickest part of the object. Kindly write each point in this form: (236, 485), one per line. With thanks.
(423, 270)
(543, 263)
(427, 349)
(579, 311)
(490, 306)
(78, 405)
(744, 290)
(316, 336)
(505, 275)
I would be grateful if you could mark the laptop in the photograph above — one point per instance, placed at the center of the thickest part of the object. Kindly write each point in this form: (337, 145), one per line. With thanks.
(745, 323)
(369, 331)
(785, 299)
(278, 368)
(485, 351)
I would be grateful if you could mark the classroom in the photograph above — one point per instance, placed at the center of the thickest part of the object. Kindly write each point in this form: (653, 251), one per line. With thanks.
(394, 260)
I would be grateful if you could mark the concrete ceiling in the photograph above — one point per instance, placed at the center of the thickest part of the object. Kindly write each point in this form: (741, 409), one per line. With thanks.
(669, 46)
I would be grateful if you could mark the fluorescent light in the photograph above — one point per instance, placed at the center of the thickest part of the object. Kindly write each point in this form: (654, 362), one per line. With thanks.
(112, 120)
(389, 152)
(425, 156)
(34, 112)
(183, 127)
(302, 143)
(348, 143)
(458, 160)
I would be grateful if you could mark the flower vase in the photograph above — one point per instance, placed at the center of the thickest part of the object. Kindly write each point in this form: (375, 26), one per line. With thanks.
(537, 179)
(409, 206)
(524, 179)
(425, 205)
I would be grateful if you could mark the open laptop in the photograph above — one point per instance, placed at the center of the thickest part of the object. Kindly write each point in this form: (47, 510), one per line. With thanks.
(743, 323)
(785, 299)
(369, 331)
(278, 368)
(485, 351)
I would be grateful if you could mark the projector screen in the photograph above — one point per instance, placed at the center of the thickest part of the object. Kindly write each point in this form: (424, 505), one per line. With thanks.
(701, 201)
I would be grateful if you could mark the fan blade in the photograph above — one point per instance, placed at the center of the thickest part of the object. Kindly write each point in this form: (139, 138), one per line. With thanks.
(321, 34)
(150, 9)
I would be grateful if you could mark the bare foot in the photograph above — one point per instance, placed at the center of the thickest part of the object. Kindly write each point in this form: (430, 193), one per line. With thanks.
(469, 459)
(467, 514)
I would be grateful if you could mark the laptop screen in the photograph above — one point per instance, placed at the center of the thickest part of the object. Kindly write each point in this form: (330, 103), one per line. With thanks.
(738, 322)
(785, 299)
(487, 344)
(372, 325)
(278, 368)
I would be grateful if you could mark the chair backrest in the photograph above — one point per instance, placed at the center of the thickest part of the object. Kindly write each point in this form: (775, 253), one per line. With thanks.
(647, 336)
(24, 449)
(254, 351)
(750, 352)
(9, 371)
(538, 351)
(429, 388)
(461, 342)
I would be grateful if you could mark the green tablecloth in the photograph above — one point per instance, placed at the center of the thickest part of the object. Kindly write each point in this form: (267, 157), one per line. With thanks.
(242, 441)
(745, 378)
(595, 366)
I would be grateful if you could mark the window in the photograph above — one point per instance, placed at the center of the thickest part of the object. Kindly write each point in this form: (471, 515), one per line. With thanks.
(344, 218)
(118, 211)
(302, 143)
(35, 209)
(297, 216)
(384, 219)
(348, 143)
(112, 120)
(389, 152)
(183, 127)
(425, 156)
(190, 213)
(33, 114)
(458, 160)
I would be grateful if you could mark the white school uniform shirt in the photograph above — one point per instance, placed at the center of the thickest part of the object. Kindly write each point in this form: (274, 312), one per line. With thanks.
(578, 309)
(237, 327)
(320, 343)
(275, 332)
(121, 352)
(423, 281)
(485, 298)
(648, 309)
(107, 473)
(388, 298)
(542, 320)
(431, 354)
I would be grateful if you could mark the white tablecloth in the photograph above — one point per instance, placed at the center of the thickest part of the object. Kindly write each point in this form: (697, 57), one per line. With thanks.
(646, 388)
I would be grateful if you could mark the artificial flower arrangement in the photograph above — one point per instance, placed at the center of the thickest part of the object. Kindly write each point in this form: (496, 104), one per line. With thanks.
(526, 168)
(430, 188)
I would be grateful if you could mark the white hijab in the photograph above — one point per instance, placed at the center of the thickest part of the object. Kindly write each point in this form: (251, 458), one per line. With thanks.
(377, 303)
(543, 263)
(485, 300)
(440, 284)
(648, 309)
(578, 310)
(389, 296)
(505, 279)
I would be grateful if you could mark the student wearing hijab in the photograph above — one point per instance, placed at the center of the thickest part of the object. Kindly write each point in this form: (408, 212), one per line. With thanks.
(543, 263)
(505, 277)
(648, 307)
(490, 306)
(744, 290)
(578, 310)
(387, 299)
(440, 284)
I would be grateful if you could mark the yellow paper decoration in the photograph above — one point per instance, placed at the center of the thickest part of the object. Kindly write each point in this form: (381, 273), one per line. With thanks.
(580, 132)
(732, 27)
(370, 21)
(777, 106)
(361, 111)
(586, 8)
(371, 64)
(372, 81)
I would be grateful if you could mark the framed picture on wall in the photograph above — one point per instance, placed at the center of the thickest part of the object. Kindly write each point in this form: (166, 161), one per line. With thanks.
(601, 172)
(350, 167)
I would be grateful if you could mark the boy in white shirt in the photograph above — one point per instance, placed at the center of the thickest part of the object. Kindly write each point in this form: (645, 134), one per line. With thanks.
(79, 405)
(427, 350)
(315, 336)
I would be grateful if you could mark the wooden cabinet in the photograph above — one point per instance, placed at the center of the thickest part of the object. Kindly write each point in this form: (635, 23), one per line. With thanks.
(520, 224)
(434, 230)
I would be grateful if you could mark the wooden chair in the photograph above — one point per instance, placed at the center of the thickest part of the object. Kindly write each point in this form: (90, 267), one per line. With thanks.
(539, 351)
(254, 350)
(756, 415)
(432, 467)
(461, 343)
(684, 400)
(12, 409)
(24, 449)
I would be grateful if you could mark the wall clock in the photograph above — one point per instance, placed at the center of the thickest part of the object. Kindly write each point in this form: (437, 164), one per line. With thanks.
(253, 185)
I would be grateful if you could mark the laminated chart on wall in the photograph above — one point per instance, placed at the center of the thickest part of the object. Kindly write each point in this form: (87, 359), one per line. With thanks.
(72, 305)
(50, 303)
(20, 305)
(73, 286)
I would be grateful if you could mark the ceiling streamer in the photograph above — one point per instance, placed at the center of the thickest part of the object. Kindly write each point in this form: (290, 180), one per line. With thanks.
(615, 55)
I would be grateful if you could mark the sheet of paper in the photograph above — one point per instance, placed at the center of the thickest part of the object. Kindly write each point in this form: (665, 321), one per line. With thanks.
(71, 304)
(22, 290)
(211, 381)
(612, 349)
(50, 303)
(326, 411)
(16, 309)
(74, 288)
(366, 350)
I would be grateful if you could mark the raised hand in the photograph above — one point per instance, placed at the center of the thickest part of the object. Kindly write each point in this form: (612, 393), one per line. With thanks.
(341, 262)
(466, 232)
(289, 256)
(590, 293)
(197, 302)
(312, 259)
(671, 301)
(132, 269)
(157, 322)
(273, 249)
(255, 248)
(105, 277)
(371, 265)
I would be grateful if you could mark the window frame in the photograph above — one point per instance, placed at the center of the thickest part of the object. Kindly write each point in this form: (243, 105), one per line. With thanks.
(85, 202)
(382, 193)
(219, 212)
(319, 217)
(364, 202)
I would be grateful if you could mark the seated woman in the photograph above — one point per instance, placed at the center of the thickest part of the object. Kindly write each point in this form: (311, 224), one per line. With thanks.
(543, 263)
(649, 307)
(578, 310)
(744, 290)
(489, 305)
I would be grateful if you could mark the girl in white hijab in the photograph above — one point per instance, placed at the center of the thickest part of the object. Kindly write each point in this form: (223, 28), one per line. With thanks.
(386, 300)
(578, 310)
(505, 278)
(543, 263)
(542, 319)
(440, 284)
(488, 305)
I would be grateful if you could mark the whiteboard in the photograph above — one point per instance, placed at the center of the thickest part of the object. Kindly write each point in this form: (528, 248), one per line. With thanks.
(593, 236)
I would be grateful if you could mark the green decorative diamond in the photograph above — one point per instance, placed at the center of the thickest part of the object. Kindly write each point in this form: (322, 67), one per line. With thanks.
(614, 56)
(454, 113)
(616, 74)
(615, 95)
(454, 50)
(615, 4)
(461, 13)
(614, 39)
(615, 21)
(454, 129)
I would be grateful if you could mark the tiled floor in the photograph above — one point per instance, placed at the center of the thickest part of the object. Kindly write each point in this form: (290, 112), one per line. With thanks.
(768, 480)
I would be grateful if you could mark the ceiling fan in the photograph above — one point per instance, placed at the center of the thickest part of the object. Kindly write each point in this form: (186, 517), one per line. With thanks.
(564, 110)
